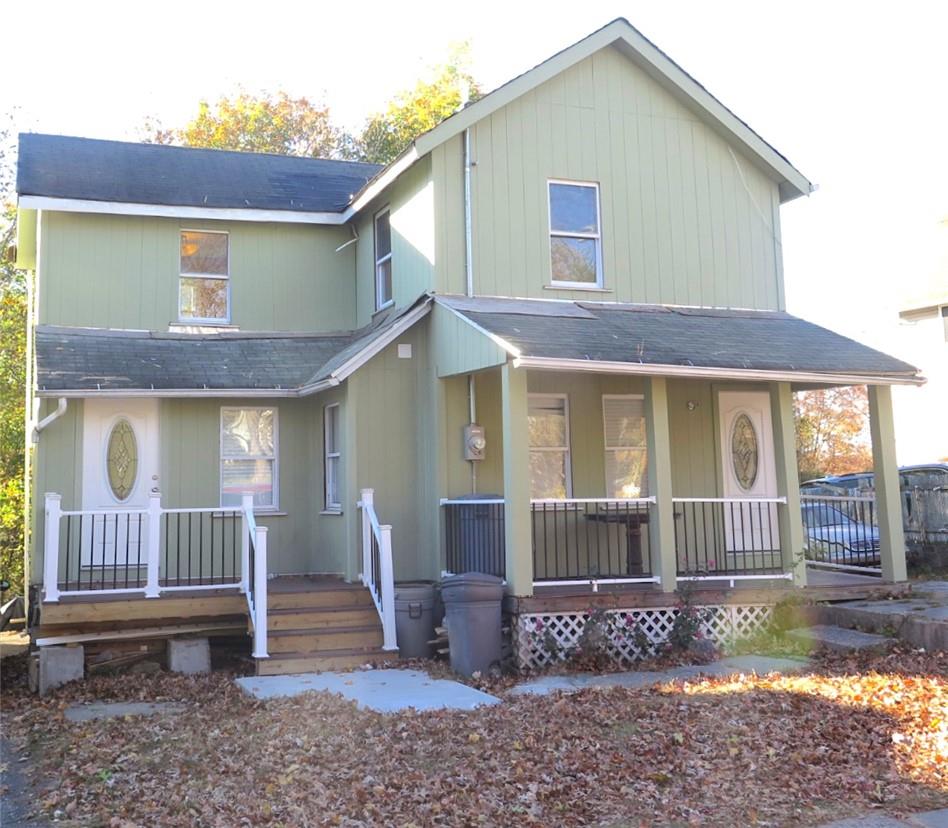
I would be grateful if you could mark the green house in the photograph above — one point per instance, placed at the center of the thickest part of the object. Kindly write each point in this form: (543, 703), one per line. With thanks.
(548, 342)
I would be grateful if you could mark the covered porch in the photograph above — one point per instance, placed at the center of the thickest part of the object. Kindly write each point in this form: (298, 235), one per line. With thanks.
(618, 475)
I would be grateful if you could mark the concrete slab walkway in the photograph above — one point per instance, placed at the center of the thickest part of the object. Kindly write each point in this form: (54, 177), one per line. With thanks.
(114, 710)
(387, 691)
(574, 682)
(928, 819)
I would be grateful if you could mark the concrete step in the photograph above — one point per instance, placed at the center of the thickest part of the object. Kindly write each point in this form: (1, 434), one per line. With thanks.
(290, 663)
(840, 640)
(331, 638)
(308, 619)
(345, 596)
(917, 621)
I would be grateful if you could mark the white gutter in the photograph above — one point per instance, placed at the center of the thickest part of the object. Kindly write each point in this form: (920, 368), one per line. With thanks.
(50, 418)
(468, 240)
(693, 371)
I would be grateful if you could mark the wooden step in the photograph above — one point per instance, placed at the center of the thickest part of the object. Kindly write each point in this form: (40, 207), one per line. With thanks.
(320, 599)
(308, 619)
(290, 663)
(320, 640)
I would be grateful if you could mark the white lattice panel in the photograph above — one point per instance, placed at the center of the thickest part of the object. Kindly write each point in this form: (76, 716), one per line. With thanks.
(543, 638)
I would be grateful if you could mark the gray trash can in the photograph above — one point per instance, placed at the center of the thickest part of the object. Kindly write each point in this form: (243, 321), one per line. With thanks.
(472, 609)
(414, 618)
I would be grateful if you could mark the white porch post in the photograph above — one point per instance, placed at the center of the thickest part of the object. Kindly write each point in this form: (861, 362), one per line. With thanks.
(153, 540)
(53, 512)
(260, 594)
(368, 503)
(661, 525)
(790, 521)
(886, 474)
(246, 508)
(517, 516)
(387, 577)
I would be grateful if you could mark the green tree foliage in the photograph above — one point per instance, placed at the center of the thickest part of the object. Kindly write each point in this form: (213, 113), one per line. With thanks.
(414, 111)
(275, 123)
(12, 378)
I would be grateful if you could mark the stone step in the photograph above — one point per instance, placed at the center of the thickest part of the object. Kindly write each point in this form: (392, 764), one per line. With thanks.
(332, 638)
(290, 663)
(918, 622)
(840, 640)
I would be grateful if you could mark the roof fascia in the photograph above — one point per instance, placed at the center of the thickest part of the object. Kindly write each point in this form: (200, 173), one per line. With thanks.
(386, 177)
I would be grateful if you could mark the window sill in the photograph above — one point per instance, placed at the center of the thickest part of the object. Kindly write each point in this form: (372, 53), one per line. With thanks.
(269, 513)
(574, 286)
(201, 326)
(389, 304)
(331, 512)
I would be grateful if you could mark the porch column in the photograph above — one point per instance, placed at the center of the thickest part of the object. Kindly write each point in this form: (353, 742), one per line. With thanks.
(517, 534)
(661, 524)
(788, 481)
(888, 496)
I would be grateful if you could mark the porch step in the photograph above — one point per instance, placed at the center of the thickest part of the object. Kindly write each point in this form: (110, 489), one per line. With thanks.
(330, 638)
(289, 663)
(920, 622)
(840, 640)
(306, 618)
(322, 597)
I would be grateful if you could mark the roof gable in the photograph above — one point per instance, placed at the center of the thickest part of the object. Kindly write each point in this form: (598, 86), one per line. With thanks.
(662, 69)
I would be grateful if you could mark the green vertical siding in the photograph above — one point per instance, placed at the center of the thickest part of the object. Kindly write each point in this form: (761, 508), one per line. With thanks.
(447, 173)
(459, 347)
(686, 219)
(122, 272)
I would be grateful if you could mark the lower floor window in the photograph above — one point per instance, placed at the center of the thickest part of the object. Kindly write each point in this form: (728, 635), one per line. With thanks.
(248, 456)
(331, 444)
(548, 428)
(625, 440)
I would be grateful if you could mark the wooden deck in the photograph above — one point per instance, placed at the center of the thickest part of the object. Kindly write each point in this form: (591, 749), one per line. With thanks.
(822, 585)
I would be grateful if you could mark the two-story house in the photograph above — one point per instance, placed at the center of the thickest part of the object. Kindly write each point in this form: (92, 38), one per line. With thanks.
(547, 342)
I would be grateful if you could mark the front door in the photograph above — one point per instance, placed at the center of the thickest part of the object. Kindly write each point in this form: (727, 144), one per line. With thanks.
(747, 459)
(119, 471)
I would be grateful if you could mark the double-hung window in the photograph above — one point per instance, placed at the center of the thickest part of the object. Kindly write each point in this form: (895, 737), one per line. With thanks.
(575, 239)
(626, 446)
(204, 285)
(548, 428)
(249, 456)
(383, 259)
(332, 459)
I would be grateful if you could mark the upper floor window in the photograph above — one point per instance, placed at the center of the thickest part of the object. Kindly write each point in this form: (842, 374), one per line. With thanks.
(548, 429)
(383, 260)
(204, 290)
(575, 241)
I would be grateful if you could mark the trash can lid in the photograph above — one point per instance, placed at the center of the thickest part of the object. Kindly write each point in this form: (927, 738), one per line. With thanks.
(415, 590)
(470, 578)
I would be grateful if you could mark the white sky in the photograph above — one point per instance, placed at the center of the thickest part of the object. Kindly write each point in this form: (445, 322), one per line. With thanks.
(852, 92)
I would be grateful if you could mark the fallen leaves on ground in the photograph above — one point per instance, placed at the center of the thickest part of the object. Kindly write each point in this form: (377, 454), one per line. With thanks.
(850, 736)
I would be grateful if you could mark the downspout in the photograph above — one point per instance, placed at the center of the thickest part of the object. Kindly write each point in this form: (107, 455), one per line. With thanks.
(469, 280)
(50, 418)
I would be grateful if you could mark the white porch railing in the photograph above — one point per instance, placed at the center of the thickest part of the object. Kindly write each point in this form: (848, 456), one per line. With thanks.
(841, 532)
(153, 551)
(377, 569)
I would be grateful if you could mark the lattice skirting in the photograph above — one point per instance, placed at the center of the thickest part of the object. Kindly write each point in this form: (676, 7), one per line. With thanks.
(540, 639)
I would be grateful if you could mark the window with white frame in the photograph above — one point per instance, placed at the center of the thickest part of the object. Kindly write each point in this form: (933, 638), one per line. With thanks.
(626, 445)
(383, 259)
(249, 456)
(204, 284)
(548, 428)
(332, 452)
(575, 240)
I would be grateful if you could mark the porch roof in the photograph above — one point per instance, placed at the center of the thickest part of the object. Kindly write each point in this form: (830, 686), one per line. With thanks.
(82, 362)
(676, 341)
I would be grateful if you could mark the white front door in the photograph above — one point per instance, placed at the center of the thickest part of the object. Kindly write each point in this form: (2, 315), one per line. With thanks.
(119, 471)
(747, 459)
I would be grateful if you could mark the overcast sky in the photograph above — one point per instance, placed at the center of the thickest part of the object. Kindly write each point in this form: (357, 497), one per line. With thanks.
(854, 94)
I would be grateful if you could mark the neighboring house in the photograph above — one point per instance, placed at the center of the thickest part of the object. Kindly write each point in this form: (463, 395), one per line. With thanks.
(567, 298)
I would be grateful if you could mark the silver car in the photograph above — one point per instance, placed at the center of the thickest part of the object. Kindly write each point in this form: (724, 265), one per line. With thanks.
(832, 536)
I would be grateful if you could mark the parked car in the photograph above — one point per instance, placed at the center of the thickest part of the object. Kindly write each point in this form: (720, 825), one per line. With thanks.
(854, 484)
(832, 536)
(931, 476)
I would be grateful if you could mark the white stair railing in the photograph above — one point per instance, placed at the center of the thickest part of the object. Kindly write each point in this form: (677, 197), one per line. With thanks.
(253, 583)
(378, 573)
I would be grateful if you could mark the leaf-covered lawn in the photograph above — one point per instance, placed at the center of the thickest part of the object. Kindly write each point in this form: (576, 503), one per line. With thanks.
(801, 750)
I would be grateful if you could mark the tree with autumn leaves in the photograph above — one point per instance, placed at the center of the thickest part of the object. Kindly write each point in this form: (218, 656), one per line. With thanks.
(832, 431)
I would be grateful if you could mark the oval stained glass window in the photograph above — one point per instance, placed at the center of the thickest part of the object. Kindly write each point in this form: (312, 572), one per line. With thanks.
(745, 452)
(121, 460)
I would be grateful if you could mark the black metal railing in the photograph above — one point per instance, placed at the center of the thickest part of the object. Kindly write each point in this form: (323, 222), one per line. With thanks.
(727, 537)
(840, 531)
(584, 540)
(102, 551)
(474, 536)
(200, 547)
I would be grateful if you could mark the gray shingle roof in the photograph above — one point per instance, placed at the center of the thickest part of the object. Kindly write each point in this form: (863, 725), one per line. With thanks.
(59, 166)
(675, 336)
(93, 359)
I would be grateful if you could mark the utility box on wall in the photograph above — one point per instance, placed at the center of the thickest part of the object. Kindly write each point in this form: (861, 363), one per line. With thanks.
(475, 443)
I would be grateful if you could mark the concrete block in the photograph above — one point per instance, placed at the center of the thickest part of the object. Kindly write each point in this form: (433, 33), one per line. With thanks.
(56, 666)
(189, 655)
(840, 640)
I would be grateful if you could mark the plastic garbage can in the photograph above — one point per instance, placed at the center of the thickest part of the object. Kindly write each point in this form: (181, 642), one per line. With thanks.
(472, 604)
(414, 618)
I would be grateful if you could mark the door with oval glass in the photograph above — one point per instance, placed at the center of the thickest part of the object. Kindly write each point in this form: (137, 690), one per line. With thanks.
(119, 471)
(749, 471)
